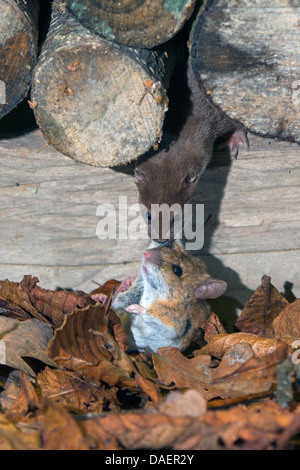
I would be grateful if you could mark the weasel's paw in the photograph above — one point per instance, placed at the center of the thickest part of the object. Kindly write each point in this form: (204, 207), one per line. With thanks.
(126, 284)
(135, 308)
(237, 140)
(99, 297)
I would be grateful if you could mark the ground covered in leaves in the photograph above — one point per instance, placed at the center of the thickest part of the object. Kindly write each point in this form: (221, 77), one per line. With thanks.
(68, 382)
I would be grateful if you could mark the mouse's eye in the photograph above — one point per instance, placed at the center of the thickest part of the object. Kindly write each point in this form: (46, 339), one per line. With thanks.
(177, 270)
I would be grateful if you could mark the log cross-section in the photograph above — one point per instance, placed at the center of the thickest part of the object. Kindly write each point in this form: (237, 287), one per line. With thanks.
(18, 50)
(98, 102)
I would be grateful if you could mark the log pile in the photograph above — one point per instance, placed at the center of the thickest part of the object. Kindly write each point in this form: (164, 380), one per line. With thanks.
(18, 50)
(100, 87)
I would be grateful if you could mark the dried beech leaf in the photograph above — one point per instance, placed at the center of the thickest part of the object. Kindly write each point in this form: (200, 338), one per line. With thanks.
(287, 325)
(219, 344)
(59, 430)
(69, 389)
(213, 327)
(189, 403)
(13, 293)
(28, 338)
(25, 402)
(12, 438)
(107, 287)
(264, 306)
(138, 431)
(83, 344)
(9, 309)
(53, 305)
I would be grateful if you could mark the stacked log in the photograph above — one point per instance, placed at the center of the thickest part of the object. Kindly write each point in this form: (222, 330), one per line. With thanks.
(246, 57)
(18, 50)
(96, 101)
(137, 23)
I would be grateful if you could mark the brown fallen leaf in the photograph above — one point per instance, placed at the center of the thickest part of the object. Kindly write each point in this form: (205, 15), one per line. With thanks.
(28, 338)
(83, 344)
(25, 402)
(264, 306)
(9, 309)
(213, 327)
(107, 287)
(189, 403)
(287, 325)
(13, 438)
(219, 344)
(53, 305)
(75, 393)
(59, 431)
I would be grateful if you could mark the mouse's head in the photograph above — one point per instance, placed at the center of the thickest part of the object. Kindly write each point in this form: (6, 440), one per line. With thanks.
(174, 273)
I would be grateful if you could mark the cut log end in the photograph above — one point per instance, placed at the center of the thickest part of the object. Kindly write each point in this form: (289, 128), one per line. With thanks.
(246, 56)
(137, 23)
(18, 49)
(96, 105)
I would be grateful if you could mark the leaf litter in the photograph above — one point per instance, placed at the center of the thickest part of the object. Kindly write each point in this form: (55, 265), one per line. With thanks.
(68, 380)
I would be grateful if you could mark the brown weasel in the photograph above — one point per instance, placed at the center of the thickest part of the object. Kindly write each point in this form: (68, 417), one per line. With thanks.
(170, 175)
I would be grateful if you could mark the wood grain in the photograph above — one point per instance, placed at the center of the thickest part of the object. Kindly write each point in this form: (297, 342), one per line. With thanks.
(137, 23)
(48, 217)
(246, 55)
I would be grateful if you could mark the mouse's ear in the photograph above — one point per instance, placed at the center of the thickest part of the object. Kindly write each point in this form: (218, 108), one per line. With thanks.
(210, 289)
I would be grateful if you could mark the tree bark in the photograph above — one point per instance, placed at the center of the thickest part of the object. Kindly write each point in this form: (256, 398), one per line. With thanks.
(246, 56)
(18, 50)
(138, 23)
(98, 102)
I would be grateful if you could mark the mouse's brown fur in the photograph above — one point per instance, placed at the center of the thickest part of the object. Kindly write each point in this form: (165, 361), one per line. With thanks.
(167, 302)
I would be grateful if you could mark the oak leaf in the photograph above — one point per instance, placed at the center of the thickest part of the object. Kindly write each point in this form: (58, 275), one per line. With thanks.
(287, 325)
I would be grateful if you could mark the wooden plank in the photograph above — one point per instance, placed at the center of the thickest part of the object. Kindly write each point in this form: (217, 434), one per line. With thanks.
(48, 217)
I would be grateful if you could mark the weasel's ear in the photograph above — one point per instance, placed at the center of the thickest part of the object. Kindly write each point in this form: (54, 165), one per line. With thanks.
(140, 176)
(210, 289)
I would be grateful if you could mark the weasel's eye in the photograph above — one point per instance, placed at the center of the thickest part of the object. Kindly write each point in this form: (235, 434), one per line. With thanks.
(177, 270)
(190, 178)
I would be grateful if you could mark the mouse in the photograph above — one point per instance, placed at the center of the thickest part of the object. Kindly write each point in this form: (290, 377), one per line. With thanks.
(166, 304)
(170, 174)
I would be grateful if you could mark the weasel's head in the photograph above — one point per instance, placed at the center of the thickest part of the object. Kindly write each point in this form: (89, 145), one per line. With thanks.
(166, 180)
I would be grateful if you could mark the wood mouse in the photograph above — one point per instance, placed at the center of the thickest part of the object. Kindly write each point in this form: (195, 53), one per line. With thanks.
(191, 128)
(166, 304)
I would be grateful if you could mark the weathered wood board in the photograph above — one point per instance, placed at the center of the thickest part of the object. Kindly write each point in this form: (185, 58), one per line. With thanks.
(246, 53)
(48, 217)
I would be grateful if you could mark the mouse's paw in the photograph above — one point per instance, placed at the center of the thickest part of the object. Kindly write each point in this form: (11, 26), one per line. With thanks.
(135, 308)
(237, 140)
(99, 297)
(126, 284)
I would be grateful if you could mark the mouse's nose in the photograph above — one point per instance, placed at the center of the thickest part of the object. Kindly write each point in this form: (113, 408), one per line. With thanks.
(147, 254)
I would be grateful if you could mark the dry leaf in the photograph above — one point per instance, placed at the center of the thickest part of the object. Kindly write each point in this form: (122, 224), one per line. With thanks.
(12, 438)
(78, 395)
(189, 403)
(28, 338)
(264, 306)
(59, 430)
(219, 344)
(25, 402)
(287, 325)
(213, 327)
(83, 344)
